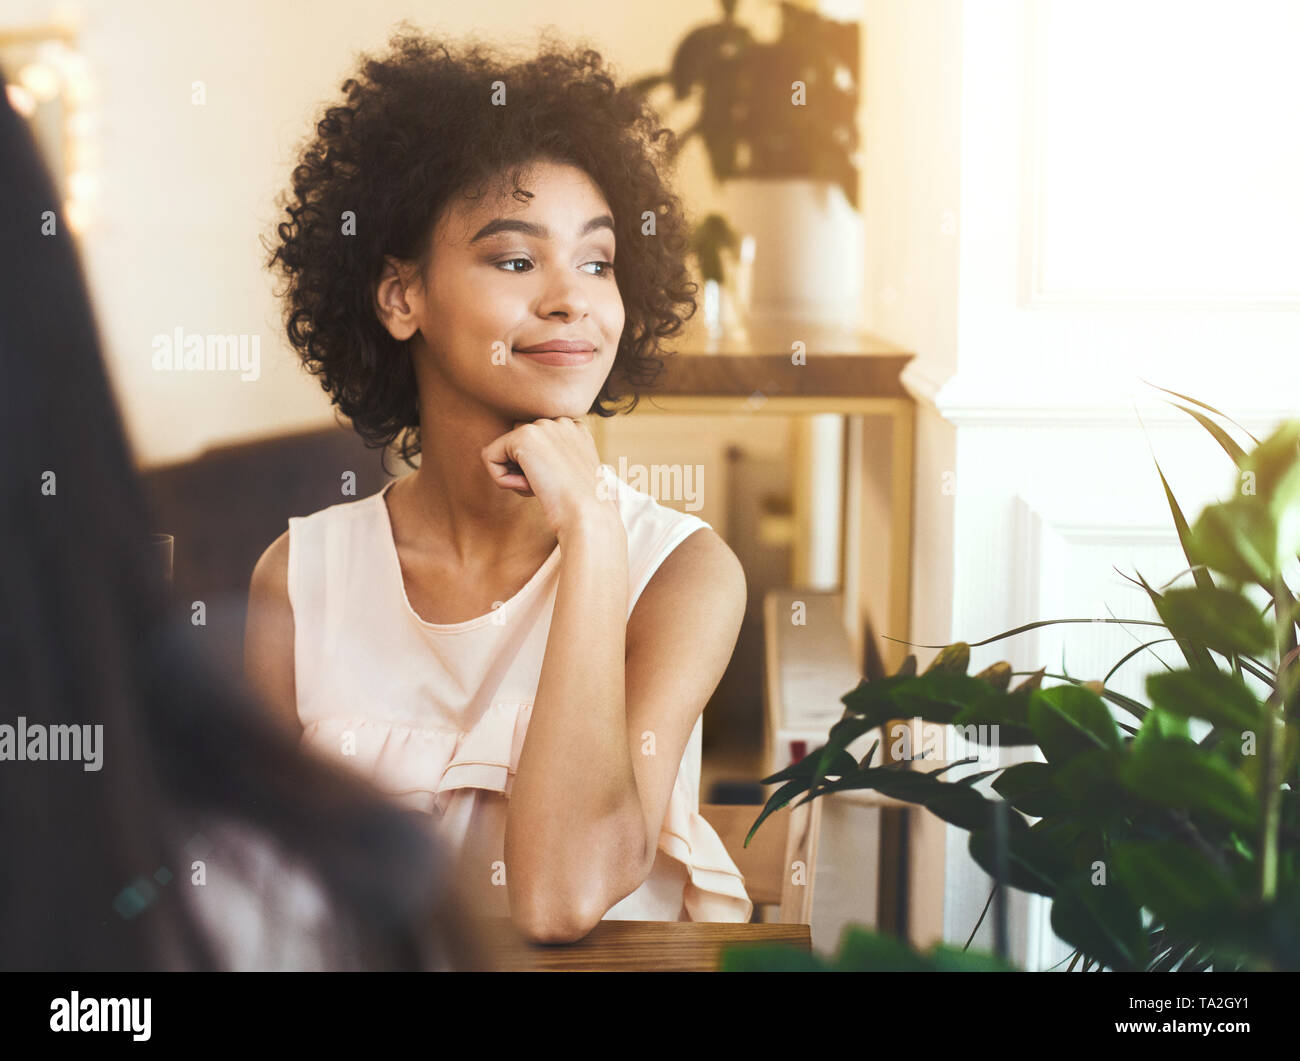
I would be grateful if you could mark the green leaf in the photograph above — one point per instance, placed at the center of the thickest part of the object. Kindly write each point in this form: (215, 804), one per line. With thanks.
(804, 768)
(833, 758)
(1177, 773)
(946, 959)
(865, 761)
(970, 780)
(952, 659)
(873, 699)
(1270, 931)
(1219, 698)
(1229, 444)
(996, 732)
(775, 802)
(1102, 920)
(955, 803)
(1238, 538)
(1034, 863)
(1167, 724)
(1172, 880)
(1274, 461)
(770, 958)
(1284, 504)
(959, 806)
(1221, 619)
(938, 695)
(960, 762)
(1196, 655)
(1028, 788)
(1133, 707)
(1091, 780)
(862, 950)
(1077, 841)
(895, 780)
(997, 675)
(1203, 405)
(1288, 609)
(1137, 651)
(935, 696)
(1199, 574)
(1006, 709)
(1069, 719)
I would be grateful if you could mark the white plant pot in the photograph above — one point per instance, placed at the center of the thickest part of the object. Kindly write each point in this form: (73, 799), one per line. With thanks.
(808, 253)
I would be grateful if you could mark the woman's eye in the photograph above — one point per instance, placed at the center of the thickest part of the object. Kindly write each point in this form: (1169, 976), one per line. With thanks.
(608, 267)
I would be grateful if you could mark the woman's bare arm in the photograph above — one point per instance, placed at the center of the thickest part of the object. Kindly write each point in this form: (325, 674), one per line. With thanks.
(617, 697)
(268, 635)
(574, 827)
(615, 708)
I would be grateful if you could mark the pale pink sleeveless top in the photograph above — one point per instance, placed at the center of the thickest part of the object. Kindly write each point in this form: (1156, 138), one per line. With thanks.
(436, 714)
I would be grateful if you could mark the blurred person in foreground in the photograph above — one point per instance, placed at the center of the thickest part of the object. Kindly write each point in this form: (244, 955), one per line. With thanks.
(192, 832)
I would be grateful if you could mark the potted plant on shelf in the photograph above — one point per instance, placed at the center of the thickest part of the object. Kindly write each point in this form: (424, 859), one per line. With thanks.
(778, 120)
(1159, 849)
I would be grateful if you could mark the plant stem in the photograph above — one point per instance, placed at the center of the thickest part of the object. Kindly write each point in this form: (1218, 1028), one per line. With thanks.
(981, 920)
(1270, 778)
(1187, 829)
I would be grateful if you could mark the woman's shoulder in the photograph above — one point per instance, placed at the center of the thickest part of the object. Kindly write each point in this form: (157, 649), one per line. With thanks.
(341, 510)
(311, 535)
(638, 490)
(653, 527)
(272, 568)
(271, 572)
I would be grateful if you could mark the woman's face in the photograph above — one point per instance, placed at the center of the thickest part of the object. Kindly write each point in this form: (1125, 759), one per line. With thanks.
(507, 276)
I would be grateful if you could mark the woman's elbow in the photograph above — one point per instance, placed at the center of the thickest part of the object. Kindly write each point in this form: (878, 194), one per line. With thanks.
(556, 924)
(556, 913)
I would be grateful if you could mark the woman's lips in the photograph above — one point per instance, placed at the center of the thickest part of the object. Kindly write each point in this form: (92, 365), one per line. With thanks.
(557, 354)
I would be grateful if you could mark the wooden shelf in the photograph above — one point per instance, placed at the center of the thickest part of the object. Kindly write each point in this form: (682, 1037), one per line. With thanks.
(838, 364)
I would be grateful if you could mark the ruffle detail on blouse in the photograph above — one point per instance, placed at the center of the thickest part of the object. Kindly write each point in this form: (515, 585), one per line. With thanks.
(715, 890)
(417, 765)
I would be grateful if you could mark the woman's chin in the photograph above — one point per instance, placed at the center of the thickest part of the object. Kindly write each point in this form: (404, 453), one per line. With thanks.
(553, 411)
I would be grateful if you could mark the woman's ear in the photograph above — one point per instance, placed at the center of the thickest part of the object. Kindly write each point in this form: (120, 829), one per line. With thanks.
(394, 302)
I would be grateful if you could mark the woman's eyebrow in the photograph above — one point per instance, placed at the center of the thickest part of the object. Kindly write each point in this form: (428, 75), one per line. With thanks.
(532, 228)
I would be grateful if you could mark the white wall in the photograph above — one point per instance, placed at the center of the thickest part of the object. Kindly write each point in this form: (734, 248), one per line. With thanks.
(1125, 208)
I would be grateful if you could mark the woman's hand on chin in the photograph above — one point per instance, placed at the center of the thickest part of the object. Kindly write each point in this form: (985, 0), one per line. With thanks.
(554, 460)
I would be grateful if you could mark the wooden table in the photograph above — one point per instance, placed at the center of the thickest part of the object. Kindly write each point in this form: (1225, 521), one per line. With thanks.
(630, 946)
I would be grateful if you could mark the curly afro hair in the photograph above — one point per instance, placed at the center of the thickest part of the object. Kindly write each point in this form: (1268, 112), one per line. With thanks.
(417, 128)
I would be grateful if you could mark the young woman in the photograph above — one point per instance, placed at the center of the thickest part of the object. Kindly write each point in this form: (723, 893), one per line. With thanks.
(478, 254)
(197, 835)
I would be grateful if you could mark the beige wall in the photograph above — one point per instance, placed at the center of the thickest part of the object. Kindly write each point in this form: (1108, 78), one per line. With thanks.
(912, 56)
(183, 192)
(911, 203)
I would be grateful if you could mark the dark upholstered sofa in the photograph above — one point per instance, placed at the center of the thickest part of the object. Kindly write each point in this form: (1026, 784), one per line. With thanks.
(225, 506)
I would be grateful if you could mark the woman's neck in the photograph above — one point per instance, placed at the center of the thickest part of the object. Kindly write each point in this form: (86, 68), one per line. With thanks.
(452, 500)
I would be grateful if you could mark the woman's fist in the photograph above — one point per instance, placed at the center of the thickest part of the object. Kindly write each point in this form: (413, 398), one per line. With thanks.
(553, 460)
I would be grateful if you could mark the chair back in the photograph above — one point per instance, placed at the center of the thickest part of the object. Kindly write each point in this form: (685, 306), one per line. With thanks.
(779, 863)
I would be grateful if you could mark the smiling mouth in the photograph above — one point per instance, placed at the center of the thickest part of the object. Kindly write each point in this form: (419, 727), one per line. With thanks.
(555, 356)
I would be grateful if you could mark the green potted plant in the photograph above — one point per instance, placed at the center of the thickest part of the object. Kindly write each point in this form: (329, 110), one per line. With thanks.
(778, 121)
(713, 242)
(1159, 850)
